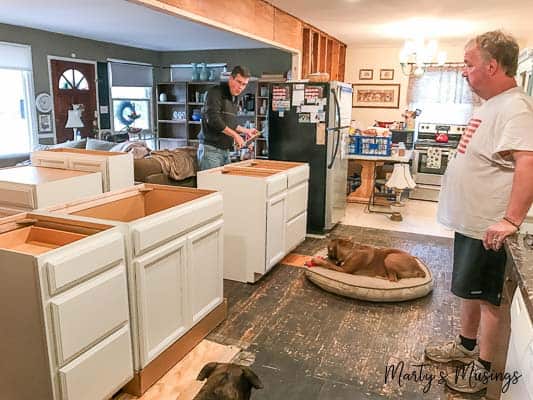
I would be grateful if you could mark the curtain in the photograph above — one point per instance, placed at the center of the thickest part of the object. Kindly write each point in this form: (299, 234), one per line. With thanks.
(442, 94)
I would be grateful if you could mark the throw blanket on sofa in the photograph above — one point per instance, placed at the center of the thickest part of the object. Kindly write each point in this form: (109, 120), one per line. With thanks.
(177, 164)
(138, 148)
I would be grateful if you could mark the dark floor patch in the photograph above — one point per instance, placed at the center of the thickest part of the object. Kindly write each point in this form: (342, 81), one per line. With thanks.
(310, 344)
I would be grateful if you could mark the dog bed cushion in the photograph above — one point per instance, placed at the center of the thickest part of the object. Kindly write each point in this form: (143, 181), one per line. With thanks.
(369, 288)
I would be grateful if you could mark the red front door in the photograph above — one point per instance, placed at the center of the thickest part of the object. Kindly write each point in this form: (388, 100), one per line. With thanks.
(73, 83)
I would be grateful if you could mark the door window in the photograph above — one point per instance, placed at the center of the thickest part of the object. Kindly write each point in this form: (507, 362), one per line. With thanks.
(73, 79)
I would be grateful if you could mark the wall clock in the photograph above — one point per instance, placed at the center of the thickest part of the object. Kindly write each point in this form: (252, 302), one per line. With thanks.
(43, 102)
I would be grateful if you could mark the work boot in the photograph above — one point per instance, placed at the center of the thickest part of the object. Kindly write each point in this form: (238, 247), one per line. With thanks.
(451, 351)
(470, 378)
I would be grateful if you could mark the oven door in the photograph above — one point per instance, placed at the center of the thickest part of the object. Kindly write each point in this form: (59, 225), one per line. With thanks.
(422, 166)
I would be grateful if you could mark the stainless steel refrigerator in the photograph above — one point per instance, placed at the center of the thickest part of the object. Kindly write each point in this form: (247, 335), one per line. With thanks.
(309, 122)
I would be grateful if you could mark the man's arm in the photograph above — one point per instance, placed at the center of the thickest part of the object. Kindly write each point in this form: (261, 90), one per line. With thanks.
(519, 202)
(522, 191)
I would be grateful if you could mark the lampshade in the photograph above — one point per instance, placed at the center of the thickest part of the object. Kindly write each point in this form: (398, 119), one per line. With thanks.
(400, 178)
(73, 119)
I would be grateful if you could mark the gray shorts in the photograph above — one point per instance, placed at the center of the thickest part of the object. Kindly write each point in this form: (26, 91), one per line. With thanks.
(477, 273)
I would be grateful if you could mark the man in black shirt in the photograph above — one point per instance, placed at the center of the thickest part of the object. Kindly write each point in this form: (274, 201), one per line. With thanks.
(220, 129)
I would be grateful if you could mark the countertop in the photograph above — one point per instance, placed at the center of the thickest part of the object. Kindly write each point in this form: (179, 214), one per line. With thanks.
(523, 267)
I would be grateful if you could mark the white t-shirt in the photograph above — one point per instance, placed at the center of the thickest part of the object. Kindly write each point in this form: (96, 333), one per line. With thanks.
(477, 184)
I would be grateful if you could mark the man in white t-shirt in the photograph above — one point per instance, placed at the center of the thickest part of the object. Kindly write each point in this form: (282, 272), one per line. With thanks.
(486, 193)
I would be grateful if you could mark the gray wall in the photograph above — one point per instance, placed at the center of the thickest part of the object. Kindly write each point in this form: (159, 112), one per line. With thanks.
(45, 43)
(258, 60)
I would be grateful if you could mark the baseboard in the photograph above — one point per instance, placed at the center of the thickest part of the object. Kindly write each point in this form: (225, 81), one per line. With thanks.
(158, 367)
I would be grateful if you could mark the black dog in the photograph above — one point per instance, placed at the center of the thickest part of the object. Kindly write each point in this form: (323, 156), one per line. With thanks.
(227, 382)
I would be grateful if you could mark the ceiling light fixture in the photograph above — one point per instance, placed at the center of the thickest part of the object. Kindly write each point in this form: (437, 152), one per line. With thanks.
(416, 55)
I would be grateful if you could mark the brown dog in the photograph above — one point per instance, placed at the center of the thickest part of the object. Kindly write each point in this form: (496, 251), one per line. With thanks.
(227, 382)
(359, 259)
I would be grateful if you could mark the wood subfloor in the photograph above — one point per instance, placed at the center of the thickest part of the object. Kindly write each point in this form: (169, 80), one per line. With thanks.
(305, 343)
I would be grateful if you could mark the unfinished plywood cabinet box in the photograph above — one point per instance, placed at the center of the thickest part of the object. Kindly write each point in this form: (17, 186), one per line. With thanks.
(265, 212)
(65, 320)
(28, 188)
(116, 168)
(174, 257)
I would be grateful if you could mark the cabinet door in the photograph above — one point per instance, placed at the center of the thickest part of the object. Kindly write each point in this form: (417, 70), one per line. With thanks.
(275, 218)
(295, 231)
(205, 269)
(161, 298)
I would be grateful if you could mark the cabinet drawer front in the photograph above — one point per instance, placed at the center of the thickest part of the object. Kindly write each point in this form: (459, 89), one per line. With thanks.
(276, 184)
(88, 165)
(161, 227)
(80, 261)
(161, 282)
(88, 312)
(295, 232)
(296, 200)
(38, 161)
(13, 195)
(101, 371)
(297, 175)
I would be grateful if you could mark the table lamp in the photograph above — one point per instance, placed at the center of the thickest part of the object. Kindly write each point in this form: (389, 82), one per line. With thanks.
(74, 121)
(399, 180)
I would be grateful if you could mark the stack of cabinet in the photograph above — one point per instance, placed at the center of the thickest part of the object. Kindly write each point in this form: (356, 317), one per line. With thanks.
(265, 212)
(28, 188)
(174, 260)
(65, 320)
(116, 168)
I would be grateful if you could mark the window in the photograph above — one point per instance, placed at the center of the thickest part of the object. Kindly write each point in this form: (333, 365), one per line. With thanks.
(73, 79)
(131, 94)
(16, 116)
(132, 107)
(443, 95)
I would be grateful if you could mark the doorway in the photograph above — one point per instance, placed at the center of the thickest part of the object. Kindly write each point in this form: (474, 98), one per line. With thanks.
(73, 87)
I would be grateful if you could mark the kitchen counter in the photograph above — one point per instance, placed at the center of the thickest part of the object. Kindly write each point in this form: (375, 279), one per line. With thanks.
(522, 258)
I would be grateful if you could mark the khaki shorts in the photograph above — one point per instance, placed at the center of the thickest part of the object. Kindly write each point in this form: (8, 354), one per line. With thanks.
(477, 273)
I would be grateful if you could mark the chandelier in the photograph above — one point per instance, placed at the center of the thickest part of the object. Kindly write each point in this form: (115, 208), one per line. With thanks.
(416, 55)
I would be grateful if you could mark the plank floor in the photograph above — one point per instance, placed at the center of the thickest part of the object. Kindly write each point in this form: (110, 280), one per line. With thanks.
(305, 343)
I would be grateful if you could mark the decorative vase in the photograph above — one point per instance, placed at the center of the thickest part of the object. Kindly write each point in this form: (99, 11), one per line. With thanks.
(162, 97)
(195, 73)
(211, 74)
(204, 73)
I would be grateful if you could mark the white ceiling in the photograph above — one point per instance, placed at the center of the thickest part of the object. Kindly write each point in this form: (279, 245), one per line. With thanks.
(389, 22)
(120, 22)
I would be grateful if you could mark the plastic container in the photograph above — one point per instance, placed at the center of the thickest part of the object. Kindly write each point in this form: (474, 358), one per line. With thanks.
(372, 145)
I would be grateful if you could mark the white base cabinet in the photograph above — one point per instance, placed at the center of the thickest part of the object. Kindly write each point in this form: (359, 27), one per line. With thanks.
(66, 327)
(174, 248)
(520, 351)
(28, 188)
(265, 213)
(116, 168)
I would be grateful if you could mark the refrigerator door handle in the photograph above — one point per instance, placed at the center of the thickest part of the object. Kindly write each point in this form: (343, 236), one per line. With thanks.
(336, 128)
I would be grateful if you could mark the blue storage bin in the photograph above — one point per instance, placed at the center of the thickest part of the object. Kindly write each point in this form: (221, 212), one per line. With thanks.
(373, 145)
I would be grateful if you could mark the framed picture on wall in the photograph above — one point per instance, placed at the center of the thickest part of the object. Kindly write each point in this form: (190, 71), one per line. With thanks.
(378, 95)
(386, 74)
(366, 74)
(45, 123)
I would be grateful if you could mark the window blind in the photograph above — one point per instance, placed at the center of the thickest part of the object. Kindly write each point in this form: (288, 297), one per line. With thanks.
(131, 75)
(15, 56)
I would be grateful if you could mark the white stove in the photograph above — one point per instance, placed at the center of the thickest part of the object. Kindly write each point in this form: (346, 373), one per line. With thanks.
(431, 157)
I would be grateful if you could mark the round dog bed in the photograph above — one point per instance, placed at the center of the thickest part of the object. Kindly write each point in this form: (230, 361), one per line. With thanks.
(370, 288)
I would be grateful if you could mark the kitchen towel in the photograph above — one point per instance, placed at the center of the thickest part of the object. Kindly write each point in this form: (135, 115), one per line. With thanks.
(434, 158)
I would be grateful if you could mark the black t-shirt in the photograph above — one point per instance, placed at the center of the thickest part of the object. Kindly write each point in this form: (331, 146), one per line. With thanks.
(219, 111)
